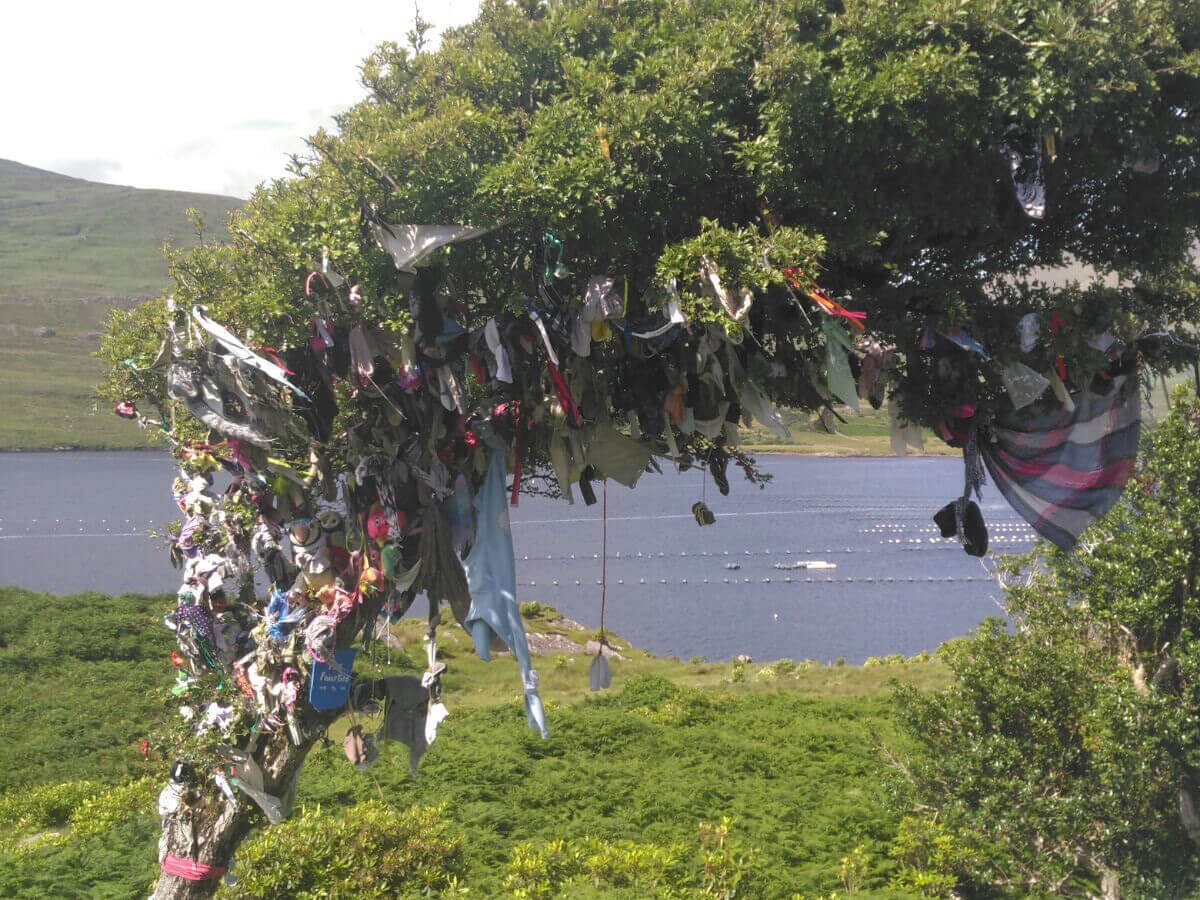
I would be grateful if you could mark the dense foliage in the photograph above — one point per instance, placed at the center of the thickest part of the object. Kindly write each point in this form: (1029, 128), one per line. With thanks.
(1064, 756)
(862, 142)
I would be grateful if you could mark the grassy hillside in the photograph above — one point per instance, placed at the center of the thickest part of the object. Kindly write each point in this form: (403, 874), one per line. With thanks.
(789, 751)
(71, 250)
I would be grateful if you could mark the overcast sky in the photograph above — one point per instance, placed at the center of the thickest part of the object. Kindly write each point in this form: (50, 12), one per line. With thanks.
(206, 96)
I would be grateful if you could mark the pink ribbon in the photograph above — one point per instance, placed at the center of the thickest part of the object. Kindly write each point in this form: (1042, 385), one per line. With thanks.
(190, 869)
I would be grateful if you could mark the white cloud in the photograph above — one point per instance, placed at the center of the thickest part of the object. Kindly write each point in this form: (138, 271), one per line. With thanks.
(200, 97)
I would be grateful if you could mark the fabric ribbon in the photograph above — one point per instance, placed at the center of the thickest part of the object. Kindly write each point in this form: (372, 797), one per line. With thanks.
(564, 395)
(823, 300)
(274, 356)
(1056, 326)
(190, 869)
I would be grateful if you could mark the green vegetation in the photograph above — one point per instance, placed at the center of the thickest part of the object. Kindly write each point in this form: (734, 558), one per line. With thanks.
(1064, 758)
(866, 433)
(613, 803)
(74, 250)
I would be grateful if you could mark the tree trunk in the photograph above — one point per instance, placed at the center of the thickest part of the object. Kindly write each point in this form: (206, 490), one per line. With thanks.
(207, 827)
(217, 827)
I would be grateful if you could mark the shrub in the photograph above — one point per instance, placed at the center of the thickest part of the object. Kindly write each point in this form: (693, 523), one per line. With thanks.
(930, 857)
(102, 812)
(24, 813)
(369, 850)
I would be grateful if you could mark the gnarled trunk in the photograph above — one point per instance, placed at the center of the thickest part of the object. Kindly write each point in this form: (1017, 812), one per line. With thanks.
(207, 827)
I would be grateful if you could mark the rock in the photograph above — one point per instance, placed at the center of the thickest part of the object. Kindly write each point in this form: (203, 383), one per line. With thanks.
(545, 644)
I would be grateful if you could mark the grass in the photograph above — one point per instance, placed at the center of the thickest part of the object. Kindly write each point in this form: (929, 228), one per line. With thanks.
(863, 434)
(72, 251)
(789, 751)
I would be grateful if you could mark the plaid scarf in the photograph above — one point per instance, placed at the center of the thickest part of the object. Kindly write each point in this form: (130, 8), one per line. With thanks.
(1062, 470)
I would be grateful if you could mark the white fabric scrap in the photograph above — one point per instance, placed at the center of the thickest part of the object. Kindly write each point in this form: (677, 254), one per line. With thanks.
(410, 245)
(491, 334)
(710, 282)
(675, 317)
(243, 353)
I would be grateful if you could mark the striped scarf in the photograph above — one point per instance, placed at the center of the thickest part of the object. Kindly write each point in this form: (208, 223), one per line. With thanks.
(1062, 470)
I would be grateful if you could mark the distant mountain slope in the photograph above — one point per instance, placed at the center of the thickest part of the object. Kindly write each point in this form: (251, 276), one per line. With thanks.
(70, 250)
(64, 238)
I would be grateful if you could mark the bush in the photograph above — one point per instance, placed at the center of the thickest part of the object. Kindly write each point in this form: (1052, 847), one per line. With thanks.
(534, 610)
(25, 813)
(369, 850)
(99, 813)
(930, 858)
(714, 868)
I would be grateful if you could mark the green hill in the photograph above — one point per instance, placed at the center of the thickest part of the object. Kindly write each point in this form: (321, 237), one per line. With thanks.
(71, 250)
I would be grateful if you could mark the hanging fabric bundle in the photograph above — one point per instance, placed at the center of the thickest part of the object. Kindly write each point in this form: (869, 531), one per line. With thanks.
(1023, 151)
(1061, 469)
(962, 518)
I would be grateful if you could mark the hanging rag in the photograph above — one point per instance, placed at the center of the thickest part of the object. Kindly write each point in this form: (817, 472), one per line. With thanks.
(491, 333)
(202, 398)
(492, 577)
(710, 283)
(362, 355)
(601, 301)
(838, 346)
(961, 338)
(243, 353)
(1023, 152)
(405, 715)
(1062, 469)
(905, 436)
(411, 245)
(757, 406)
(1027, 331)
(617, 456)
(673, 313)
(600, 673)
(1022, 384)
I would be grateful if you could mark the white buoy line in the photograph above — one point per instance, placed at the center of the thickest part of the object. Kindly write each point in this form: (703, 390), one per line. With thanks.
(789, 579)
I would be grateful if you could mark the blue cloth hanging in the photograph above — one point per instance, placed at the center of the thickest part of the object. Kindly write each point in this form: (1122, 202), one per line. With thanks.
(492, 579)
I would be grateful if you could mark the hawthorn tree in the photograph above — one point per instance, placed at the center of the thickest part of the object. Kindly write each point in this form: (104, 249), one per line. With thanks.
(1063, 760)
(766, 172)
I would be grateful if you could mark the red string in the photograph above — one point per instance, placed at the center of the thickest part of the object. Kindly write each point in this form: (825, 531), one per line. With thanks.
(570, 410)
(516, 485)
(603, 553)
(274, 354)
